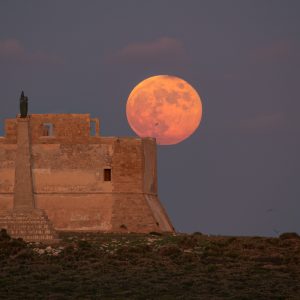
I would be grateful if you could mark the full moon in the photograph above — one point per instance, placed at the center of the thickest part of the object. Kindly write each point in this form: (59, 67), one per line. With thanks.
(164, 107)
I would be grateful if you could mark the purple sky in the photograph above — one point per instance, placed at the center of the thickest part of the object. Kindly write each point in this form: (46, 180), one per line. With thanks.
(239, 172)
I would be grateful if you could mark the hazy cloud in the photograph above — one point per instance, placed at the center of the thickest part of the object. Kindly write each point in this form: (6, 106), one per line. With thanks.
(164, 48)
(276, 51)
(264, 122)
(12, 50)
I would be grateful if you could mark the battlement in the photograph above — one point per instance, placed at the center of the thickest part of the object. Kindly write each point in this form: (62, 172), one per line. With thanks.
(56, 126)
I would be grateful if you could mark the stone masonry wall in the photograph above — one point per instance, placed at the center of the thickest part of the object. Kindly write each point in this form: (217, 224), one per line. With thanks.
(68, 176)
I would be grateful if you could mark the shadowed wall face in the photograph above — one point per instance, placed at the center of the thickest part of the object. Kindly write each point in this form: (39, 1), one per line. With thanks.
(23, 189)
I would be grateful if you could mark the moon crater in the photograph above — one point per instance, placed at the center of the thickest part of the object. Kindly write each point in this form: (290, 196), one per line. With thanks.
(164, 107)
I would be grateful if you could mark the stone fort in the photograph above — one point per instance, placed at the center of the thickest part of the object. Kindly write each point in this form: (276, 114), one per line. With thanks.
(57, 173)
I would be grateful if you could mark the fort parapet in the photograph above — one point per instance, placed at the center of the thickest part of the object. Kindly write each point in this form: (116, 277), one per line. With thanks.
(83, 181)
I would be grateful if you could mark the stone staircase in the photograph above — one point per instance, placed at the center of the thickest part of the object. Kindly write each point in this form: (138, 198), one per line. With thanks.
(24, 220)
(32, 225)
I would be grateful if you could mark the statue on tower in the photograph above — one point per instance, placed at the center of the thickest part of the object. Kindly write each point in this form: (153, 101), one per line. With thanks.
(23, 105)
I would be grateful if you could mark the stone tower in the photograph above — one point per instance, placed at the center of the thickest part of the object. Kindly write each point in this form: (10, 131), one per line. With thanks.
(58, 165)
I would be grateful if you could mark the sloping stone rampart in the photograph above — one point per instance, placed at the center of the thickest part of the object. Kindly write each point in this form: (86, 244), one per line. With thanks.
(23, 187)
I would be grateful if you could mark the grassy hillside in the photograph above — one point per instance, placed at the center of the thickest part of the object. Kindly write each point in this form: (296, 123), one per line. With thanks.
(108, 266)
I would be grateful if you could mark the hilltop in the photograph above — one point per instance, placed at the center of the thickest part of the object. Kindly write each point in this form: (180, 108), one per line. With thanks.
(152, 266)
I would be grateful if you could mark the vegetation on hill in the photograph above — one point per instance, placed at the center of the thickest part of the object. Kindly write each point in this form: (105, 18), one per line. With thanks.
(153, 266)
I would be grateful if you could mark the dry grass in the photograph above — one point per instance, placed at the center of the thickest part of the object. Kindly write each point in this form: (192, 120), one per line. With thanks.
(131, 266)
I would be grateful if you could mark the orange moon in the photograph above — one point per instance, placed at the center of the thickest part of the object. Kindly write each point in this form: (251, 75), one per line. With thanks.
(164, 107)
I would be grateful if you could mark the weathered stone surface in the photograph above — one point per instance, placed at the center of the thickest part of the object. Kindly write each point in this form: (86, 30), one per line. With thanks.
(23, 188)
(31, 225)
(24, 220)
(68, 176)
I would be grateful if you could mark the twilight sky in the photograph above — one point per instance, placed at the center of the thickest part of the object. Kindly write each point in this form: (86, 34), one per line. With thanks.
(239, 173)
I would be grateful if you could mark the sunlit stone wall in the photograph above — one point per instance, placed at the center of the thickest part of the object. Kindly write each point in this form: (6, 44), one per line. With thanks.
(68, 162)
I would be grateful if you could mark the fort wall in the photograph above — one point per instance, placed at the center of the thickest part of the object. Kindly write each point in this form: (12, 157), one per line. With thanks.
(83, 181)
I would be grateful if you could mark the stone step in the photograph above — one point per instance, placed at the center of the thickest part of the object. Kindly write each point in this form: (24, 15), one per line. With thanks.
(30, 225)
(34, 223)
(15, 230)
(18, 216)
(22, 227)
(24, 219)
(20, 233)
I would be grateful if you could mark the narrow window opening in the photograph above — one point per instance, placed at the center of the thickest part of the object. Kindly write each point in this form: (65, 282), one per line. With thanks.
(107, 174)
(92, 128)
(47, 129)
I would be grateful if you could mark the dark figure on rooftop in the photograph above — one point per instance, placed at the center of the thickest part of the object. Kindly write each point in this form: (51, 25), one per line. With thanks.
(23, 105)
